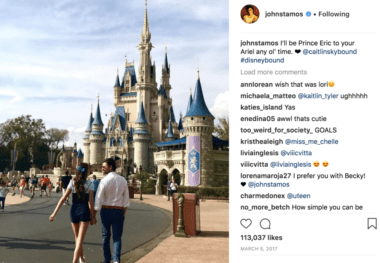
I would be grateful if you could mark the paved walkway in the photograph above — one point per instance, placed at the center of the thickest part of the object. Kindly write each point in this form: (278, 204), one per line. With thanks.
(14, 200)
(210, 246)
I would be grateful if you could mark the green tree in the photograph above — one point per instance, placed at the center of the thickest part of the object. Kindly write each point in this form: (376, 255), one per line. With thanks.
(55, 136)
(32, 141)
(142, 177)
(27, 134)
(222, 129)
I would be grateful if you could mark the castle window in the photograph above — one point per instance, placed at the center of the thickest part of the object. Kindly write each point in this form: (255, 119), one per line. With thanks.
(127, 116)
(192, 118)
(204, 118)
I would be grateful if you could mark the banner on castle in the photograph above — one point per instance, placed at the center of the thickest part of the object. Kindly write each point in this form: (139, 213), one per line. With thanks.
(193, 160)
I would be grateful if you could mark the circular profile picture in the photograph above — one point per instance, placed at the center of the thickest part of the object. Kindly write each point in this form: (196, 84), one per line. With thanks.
(250, 14)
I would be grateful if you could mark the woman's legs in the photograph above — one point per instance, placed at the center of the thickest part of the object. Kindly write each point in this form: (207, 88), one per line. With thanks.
(79, 233)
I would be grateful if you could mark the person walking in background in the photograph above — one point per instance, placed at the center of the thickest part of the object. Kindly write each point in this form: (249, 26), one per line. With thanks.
(174, 187)
(65, 182)
(27, 178)
(49, 188)
(58, 185)
(14, 185)
(22, 185)
(168, 186)
(82, 210)
(113, 199)
(47, 180)
(3, 194)
(96, 185)
(42, 185)
(33, 185)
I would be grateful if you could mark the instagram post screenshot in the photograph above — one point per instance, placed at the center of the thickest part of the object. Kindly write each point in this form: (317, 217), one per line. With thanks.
(303, 104)
(115, 143)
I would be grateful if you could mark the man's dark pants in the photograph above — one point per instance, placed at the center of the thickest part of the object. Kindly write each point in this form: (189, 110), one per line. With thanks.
(112, 218)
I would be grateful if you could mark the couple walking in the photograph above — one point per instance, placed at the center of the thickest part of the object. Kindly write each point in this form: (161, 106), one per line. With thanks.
(112, 198)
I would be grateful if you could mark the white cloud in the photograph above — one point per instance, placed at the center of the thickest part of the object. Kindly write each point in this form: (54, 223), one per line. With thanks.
(17, 99)
(221, 105)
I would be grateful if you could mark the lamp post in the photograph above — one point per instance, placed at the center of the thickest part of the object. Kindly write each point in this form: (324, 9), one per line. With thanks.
(141, 182)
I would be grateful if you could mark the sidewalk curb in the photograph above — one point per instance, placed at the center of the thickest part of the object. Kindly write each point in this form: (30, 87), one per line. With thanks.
(143, 250)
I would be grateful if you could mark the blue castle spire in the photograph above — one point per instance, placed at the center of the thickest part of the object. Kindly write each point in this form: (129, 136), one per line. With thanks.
(80, 153)
(161, 90)
(117, 82)
(98, 118)
(189, 103)
(180, 126)
(141, 117)
(89, 126)
(170, 133)
(166, 61)
(198, 106)
(171, 116)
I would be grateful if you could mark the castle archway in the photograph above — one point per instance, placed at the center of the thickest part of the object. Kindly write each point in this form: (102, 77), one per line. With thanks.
(177, 176)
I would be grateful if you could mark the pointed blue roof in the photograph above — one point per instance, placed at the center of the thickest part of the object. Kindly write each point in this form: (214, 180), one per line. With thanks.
(161, 90)
(80, 154)
(117, 82)
(189, 104)
(130, 69)
(141, 117)
(119, 114)
(180, 126)
(89, 126)
(198, 106)
(166, 63)
(98, 118)
(63, 148)
(75, 151)
(170, 133)
(171, 114)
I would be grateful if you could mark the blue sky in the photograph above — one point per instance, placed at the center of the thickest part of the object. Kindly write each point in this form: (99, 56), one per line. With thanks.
(56, 56)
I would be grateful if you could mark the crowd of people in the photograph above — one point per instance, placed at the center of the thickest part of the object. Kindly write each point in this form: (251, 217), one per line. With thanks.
(31, 184)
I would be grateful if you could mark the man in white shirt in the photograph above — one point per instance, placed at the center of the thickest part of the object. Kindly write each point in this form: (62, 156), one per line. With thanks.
(112, 198)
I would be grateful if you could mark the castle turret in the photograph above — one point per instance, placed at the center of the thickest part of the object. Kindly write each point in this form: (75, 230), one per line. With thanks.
(116, 89)
(189, 103)
(166, 75)
(199, 125)
(141, 140)
(169, 135)
(86, 140)
(180, 126)
(96, 139)
(78, 159)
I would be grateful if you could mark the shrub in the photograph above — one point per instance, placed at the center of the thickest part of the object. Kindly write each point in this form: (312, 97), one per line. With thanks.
(150, 187)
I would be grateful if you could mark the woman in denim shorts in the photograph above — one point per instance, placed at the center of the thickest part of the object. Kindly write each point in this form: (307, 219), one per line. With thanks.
(82, 208)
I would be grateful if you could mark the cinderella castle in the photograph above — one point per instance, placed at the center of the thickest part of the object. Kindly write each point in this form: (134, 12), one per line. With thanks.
(143, 132)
